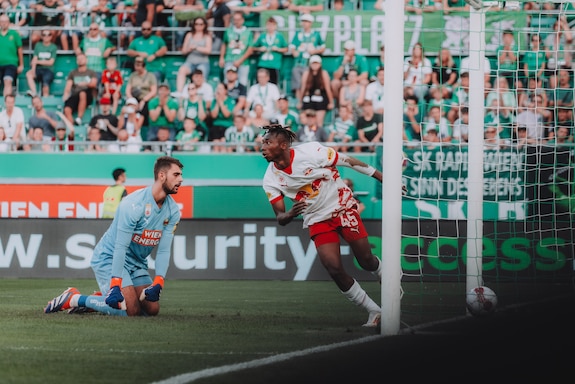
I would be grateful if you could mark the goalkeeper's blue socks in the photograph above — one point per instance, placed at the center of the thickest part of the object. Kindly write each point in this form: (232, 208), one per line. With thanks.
(98, 304)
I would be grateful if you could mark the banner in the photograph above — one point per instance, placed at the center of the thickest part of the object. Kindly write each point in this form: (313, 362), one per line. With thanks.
(433, 29)
(431, 250)
(68, 201)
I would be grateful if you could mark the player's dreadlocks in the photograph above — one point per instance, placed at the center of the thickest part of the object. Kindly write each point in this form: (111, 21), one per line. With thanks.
(281, 130)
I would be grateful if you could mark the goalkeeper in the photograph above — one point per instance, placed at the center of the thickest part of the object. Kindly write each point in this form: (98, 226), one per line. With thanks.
(145, 219)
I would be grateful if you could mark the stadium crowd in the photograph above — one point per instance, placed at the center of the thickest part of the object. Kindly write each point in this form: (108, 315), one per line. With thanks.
(119, 95)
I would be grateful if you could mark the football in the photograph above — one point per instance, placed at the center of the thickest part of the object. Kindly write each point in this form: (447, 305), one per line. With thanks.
(481, 301)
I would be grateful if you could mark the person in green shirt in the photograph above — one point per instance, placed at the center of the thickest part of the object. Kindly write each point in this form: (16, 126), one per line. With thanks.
(306, 6)
(97, 49)
(152, 48)
(162, 112)
(271, 46)
(42, 65)
(236, 47)
(349, 60)
(12, 57)
(222, 116)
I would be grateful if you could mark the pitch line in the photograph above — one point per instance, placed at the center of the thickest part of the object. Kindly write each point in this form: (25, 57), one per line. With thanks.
(210, 372)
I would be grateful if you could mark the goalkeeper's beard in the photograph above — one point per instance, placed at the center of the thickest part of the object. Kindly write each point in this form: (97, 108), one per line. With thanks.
(170, 191)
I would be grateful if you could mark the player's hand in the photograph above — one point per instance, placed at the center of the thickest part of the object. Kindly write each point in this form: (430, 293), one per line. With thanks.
(152, 293)
(297, 208)
(114, 298)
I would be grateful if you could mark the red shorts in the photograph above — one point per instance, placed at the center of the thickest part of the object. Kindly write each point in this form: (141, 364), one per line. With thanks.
(348, 225)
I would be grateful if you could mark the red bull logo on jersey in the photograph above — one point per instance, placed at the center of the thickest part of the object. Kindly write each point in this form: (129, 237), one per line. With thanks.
(148, 238)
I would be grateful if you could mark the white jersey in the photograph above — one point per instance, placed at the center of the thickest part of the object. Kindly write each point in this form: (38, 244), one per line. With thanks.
(312, 177)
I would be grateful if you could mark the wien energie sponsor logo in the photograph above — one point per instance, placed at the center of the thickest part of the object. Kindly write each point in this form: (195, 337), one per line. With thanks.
(148, 238)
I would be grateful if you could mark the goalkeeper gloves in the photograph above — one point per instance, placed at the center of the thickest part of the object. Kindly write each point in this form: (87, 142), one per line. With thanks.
(114, 298)
(152, 293)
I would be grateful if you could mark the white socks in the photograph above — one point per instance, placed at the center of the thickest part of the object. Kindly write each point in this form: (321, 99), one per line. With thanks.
(358, 296)
(377, 272)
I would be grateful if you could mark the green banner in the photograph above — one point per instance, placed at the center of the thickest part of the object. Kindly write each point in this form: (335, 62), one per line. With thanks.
(367, 28)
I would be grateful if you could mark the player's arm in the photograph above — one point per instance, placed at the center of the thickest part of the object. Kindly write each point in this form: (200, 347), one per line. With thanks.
(358, 166)
(284, 217)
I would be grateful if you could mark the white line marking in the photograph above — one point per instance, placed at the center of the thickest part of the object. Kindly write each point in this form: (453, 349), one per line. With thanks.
(210, 372)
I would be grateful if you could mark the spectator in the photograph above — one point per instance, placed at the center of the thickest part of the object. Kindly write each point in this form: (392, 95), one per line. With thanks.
(42, 65)
(74, 17)
(305, 44)
(461, 127)
(521, 138)
(420, 6)
(375, 90)
(502, 92)
(343, 130)
(126, 143)
(491, 139)
(145, 13)
(352, 94)
(263, 92)
(417, 72)
(93, 142)
(101, 15)
(187, 6)
(12, 58)
(126, 21)
(39, 142)
(163, 15)
(47, 15)
(440, 124)
(79, 91)
(316, 91)
(534, 60)
(42, 119)
(444, 71)
(311, 130)
(527, 95)
(436, 97)
(151, 48)
(500, 116)
(285, 116)
(222, 118)
(564, 118)
(251, 10)
(142, 85)
(459, 97)
(349, 60)
(162, 112)
(306, 6)
(239, 136)
(194, 107)
(5, 143)
(271, 46)
(12, 120)
(559, 47)
(131, 121)
(63, 141)
(412, 119)
(561, 137)
(188, 138)
(508, 58)
(221, 15)
(112, 82)
(105, 121)
(236, 47)
(197, 47)
(376, 65)
(204, 89)
(256, 120)
(162, 144)
(236, 90)
(19, 19)
(369, 128)
(533, 116)
(97, 49)
(564, 96)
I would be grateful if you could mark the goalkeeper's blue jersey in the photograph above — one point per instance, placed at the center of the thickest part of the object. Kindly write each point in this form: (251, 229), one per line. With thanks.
(137, 228)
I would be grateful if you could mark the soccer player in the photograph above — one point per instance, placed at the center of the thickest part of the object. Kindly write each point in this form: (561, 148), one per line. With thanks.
(308, 175)
(145, 219)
